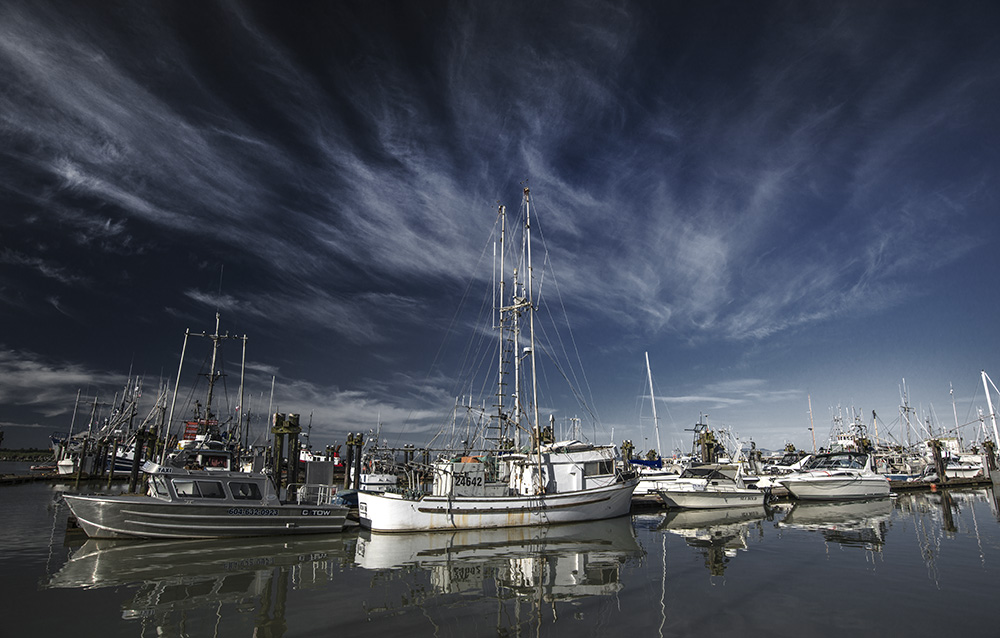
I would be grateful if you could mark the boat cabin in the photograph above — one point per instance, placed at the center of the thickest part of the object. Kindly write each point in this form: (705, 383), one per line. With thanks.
(177, 484)
(838, 461)
(559, 467)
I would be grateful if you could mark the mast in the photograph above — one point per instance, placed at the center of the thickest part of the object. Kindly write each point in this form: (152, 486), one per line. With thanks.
(500, 292)
(173, 401)
(69, 437)
(530, 302)
(239, 410)
(211, 373)
(989, 403)
(812, 425)
(652, 400)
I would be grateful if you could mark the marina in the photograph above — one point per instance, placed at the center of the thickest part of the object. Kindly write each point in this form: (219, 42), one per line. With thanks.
(661, 572)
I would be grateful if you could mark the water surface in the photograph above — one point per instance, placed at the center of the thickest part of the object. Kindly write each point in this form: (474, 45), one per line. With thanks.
(917, 565)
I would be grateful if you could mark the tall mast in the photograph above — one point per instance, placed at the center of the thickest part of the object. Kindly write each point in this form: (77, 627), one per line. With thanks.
(531, 311)
(243, 369)
(211, 372)
(652, 400)
(989, 403)
(173, 401)
(500, 291)
(530, 303)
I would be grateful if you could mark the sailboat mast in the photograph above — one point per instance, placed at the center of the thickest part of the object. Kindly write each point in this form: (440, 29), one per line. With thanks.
(989, 403)
(652, 400)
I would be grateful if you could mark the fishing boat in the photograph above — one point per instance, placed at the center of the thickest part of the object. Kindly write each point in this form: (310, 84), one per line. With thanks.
(836, 476)
(184, 503)
(506, 484)
(711, 487)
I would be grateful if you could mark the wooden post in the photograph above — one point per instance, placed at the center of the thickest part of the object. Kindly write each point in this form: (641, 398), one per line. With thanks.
(114, 457)
(991, 457)
(359, 441)
(939, 465)
(83, 457)
(133, 478)
(349, 461)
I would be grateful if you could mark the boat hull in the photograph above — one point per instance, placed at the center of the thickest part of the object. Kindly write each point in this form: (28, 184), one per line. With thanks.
(835, 488)
(128, 516)
(391, 512)
(709, 499)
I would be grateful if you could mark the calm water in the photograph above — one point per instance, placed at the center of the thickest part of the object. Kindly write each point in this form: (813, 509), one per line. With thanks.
(917, 565)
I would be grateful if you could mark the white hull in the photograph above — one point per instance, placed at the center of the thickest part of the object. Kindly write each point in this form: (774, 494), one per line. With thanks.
(390, 512)
(833, 488)
(965, 472)
(710, 499)
(650, 485)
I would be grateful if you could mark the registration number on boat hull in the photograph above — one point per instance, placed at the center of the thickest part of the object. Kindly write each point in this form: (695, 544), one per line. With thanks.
(252, 511)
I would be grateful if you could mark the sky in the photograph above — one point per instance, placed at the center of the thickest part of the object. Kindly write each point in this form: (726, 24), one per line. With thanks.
(790, 206)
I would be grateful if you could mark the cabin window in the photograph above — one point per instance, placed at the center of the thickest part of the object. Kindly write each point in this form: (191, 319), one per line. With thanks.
(243, 490)
(198, 489)
(159, 486)
(211, 489)
(186, 488)
(597, 468)
(214, 462)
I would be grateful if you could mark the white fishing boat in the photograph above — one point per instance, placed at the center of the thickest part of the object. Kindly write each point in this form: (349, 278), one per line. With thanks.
(836, 476)
(711, 487)
(510, 485)
(182, 503)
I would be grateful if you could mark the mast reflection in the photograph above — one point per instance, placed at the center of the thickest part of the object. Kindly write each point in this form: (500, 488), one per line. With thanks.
(533, 565)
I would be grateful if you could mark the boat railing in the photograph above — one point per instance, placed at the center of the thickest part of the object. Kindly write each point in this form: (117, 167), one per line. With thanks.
(311, 494)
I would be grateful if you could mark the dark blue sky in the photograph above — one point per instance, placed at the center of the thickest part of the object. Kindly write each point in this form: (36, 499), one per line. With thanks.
(777, 200)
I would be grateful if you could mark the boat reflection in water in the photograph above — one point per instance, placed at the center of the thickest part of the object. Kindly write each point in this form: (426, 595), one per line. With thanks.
(182, 582)
(718, 534)
(853, 523)
(538, 564)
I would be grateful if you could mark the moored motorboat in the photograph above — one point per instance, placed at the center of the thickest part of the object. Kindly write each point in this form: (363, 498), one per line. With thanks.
(709, 487)
(836, 476)
(183, 503)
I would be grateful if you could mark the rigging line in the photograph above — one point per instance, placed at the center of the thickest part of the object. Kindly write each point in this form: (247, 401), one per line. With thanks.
(572, 388)
(572, 338)
(454, 320)
(972, 403)
(548, 268)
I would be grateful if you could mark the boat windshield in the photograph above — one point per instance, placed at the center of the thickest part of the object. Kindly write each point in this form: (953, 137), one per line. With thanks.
(836, 461)
(159, 485)
(198, 489)
(703, 473)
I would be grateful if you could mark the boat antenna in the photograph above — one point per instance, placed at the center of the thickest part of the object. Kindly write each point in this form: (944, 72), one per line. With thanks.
(218, 299)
